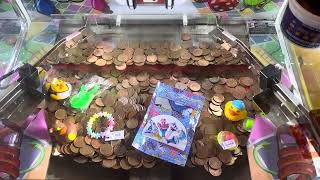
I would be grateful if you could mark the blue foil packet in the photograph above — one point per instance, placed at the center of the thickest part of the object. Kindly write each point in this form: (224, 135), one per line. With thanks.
(169, 124)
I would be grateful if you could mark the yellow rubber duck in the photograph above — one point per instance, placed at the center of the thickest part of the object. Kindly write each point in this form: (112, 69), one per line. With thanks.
(59, 89)
(235, 110)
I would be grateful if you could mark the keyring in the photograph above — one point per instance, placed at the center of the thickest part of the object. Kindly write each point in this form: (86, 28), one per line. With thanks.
(102, 134)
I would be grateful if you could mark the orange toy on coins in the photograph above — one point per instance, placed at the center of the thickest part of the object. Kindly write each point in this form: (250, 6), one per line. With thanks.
(65, 131)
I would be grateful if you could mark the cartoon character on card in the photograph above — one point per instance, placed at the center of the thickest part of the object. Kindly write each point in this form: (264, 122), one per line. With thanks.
(164, 126)
(177, 136)
(190, 114)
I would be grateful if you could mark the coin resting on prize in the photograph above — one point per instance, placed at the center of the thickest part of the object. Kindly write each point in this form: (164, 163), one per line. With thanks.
(226, 104)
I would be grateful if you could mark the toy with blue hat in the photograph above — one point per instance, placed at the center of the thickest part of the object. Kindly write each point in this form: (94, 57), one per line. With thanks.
(235, 110)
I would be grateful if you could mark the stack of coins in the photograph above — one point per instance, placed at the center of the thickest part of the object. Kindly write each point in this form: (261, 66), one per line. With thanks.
(130, 93)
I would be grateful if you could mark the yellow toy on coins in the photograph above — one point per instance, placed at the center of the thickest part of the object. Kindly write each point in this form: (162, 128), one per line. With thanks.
(235, 110)
(59, 89)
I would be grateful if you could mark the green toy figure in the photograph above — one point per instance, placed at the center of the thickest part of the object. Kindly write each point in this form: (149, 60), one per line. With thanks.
(84, 97)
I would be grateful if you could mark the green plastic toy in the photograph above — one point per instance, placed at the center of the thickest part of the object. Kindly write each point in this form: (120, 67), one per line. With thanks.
(84, 97)
(248, 124)
(253, 2)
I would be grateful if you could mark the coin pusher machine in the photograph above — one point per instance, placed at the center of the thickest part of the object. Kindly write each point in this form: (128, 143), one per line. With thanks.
(21, 98)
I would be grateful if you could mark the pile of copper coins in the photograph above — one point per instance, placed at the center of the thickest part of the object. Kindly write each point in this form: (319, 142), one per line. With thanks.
(127, 53)
(131, 92)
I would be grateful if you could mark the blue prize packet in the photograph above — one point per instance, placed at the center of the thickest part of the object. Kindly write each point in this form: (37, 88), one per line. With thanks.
(169, 125)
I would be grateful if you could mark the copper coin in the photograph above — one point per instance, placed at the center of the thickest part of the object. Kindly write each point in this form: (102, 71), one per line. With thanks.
(53, 106)
(218, 89)
(206, 166)
(149, 164)
(185, 55)
(121, 67)
(186, 37)
(239, 92)
(125, 83)
(79, 142)
(67, 149)
(95, 143)
(206, 85)
(60, 114)
(214, 108)
(199, 161)
(209, 58)
(108, 48)
(107, 56)
(106, 149)
(113, 156)
(92, 59)
(109, 163)
(123, 58)
(80, 159)
(219, 98)
(147, 158)
(74, 149)
(96, 159)
(99, 102)
(203, 62)
(218, 113)
(174, 46)
(204, 45)
(117, 165)
(140, 58)
(197, 52)
(120, 150)
(100, 62)
(194, 86)
(215, 172)
(181, 86)
(246, 81)
(98, 52)
(143, 76)
(225, 156)
(133, 81)
(123, 93)
(215, 163)
(202, 151)
(152, 58)
(87, 139)
(134, 160)
(222, 81)
(214, 79)
(86, 150)
(163, 58)
(124, 164)
(132, 123)
(231, 82)
(109, 100)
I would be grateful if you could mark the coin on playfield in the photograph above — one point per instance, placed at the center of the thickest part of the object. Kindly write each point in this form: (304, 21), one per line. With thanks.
(194, 86)
(60, 114)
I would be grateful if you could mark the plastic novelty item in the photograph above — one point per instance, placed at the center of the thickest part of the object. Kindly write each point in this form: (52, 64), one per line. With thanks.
(103, 134)
(248, 124)
(66, 132)
(84, 97)
(46, 7)
(227, 140)
(59, 90)
(99, 5)
(235, 110)
(253, 2)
